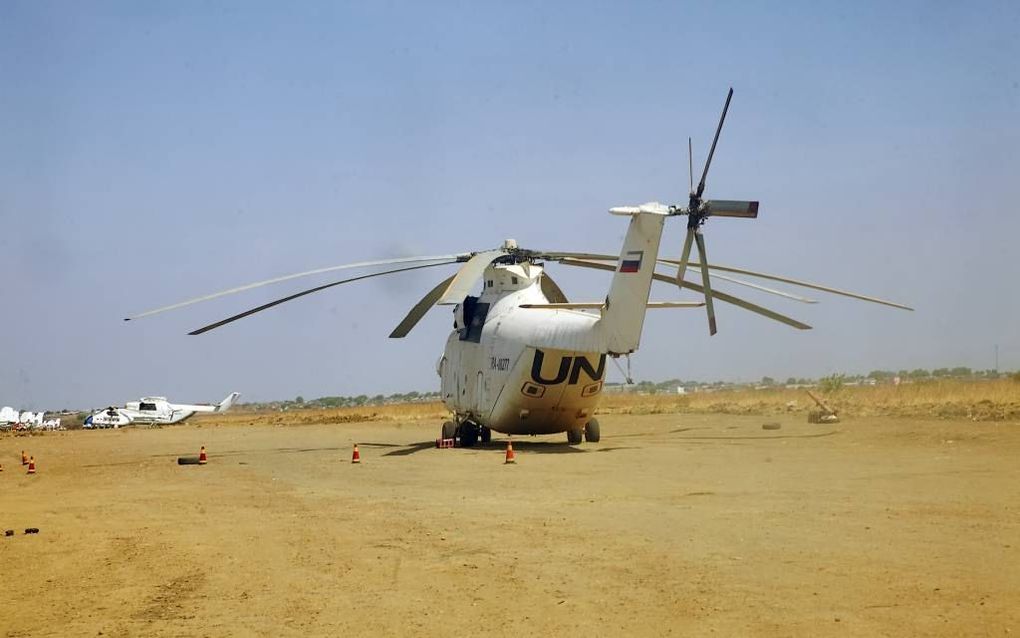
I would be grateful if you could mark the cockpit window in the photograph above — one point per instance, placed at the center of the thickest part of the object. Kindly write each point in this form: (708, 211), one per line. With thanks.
(149, 407)
(474, 319)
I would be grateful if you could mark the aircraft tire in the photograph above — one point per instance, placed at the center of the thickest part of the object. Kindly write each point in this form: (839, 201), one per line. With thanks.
(592, 432)
(485, 434)
(449, 430)
(468, 434)
(574, 437)
(187, 460)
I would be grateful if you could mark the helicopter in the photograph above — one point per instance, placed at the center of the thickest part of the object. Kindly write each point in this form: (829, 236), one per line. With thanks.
(524, 360)
(153, 410)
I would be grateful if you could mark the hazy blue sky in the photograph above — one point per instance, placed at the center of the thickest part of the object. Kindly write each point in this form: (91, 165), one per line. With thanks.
(150, 152)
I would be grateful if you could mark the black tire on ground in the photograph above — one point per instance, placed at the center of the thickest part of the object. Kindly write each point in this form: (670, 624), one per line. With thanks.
(449, 430)
(187, 460)
(574, 436)
(771, 426)
(592, 433)
(485, 434)
(468, 434)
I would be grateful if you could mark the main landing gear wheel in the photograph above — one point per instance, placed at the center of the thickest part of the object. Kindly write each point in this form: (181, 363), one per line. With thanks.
(574, 437)
(449, 430)
(468, 434)
(592, 434)
(485, 434)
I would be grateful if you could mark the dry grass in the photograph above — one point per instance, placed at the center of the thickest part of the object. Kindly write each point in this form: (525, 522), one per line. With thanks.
(997, 400)
(978, 400)
(397, 412)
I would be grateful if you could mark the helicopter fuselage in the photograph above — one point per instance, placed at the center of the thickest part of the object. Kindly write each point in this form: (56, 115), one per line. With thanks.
(521, 370)
(520, 363)
(152, 411)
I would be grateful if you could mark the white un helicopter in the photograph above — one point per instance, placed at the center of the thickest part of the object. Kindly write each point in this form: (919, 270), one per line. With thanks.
(522, 359)
(153, 410)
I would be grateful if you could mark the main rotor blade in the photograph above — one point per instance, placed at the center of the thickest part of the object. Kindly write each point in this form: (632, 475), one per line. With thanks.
(715, 140)
(796, 282)
(275, 280)
(555, 255)
(731, 208)
(248, 313)
(552, 292)
(771, 291)
(420, 308)
(466, 277)
(685, 255)
(706, 282)
(721, 296)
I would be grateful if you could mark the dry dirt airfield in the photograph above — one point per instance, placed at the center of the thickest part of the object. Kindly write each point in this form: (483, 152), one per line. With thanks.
(674, 524)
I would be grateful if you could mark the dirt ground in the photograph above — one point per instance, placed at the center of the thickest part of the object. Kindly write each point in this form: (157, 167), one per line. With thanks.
(673, 524)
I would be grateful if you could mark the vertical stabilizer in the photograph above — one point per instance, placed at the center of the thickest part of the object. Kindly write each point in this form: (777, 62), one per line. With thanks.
(226, 404)
(624, 315)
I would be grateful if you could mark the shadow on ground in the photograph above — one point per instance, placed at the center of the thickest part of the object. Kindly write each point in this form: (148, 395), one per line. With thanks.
(531, 447)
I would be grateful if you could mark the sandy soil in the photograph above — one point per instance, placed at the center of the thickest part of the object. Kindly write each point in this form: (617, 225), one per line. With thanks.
(683, 525)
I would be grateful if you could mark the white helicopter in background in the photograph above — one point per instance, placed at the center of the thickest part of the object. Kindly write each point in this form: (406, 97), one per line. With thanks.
(521, 358)
(153, 410)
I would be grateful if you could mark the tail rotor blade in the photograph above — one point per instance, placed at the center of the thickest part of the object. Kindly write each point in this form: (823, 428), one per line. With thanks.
(706, 283)
(685, 256)
(690, 165)
(731, 208)
(715, 140)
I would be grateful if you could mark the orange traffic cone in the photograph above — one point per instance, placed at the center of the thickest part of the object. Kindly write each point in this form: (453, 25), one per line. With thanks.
(202, 458)
(31, 465)
(356, 457)
(24, 458)
(510, 456)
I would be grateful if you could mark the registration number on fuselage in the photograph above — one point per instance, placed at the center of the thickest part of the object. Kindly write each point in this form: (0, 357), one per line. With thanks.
(501, 364)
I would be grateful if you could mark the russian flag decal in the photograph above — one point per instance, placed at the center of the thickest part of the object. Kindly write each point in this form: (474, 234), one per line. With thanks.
(632, 262)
